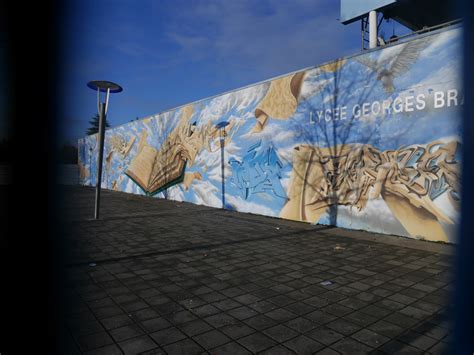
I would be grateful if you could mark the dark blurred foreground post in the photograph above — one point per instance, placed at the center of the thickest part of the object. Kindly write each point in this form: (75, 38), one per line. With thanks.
(30, 229)
(463, 340)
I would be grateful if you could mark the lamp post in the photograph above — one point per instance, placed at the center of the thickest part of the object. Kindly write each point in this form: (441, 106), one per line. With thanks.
(107, 87)
(222, 134)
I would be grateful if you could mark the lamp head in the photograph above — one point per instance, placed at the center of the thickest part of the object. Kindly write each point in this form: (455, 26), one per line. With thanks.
(104, 86)
(222, 124)
(221, 127)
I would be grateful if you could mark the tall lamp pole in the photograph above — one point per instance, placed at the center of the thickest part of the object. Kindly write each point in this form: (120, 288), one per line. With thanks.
(107, 87)
(222, 134)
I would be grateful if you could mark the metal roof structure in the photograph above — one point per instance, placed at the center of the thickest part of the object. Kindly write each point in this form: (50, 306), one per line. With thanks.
(414, 14)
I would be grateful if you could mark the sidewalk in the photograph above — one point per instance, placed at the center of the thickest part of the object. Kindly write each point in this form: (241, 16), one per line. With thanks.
(156, 276)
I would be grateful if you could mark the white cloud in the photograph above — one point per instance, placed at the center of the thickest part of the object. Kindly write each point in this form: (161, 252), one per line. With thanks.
(441, 40)
(268, 38)
(274, 132)
(247, 206)
(286, 154)
(206, 194)
(313, 84)
(285, 181)
(239, 100)
(130, 187)
(215, 174)
(175, 193)
(375, 217)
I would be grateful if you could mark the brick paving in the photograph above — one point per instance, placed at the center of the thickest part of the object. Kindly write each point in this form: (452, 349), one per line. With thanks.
(164, 277)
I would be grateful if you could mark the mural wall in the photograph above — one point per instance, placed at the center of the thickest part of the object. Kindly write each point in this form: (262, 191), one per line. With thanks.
(369, 142)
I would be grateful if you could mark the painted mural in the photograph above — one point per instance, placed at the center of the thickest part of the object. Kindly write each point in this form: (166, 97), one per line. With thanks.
(368, 142)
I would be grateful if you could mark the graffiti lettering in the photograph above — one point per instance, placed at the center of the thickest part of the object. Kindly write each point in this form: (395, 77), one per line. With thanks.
(257, 173)
(407, 178)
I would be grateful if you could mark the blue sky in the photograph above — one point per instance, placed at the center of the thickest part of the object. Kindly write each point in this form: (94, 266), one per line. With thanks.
(166, 53)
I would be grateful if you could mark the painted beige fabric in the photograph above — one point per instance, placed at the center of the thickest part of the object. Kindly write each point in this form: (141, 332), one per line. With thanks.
(280, 101)
(189, 178)
(333, 66)
(83, 171)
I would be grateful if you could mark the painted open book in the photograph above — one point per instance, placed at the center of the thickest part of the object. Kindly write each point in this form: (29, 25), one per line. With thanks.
(154, 170)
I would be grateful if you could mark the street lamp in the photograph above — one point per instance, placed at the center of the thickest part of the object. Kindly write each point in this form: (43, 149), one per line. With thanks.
(108, 87)
(222, 134)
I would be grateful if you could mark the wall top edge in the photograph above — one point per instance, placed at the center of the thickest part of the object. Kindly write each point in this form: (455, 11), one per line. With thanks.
(431, 33)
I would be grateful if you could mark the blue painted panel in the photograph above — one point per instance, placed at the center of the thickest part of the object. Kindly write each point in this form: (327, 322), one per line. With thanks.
(352, 9)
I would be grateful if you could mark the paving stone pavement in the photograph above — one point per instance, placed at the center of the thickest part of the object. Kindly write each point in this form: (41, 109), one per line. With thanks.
(164, 277)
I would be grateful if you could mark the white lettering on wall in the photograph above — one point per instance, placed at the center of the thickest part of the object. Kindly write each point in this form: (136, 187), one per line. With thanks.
(400, 104)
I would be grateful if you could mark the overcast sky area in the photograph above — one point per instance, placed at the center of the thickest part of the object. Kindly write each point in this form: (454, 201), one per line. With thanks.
(167, 53)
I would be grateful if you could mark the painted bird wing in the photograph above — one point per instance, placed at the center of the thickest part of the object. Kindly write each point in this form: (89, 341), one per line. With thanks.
(408, 55)
(369, 63)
